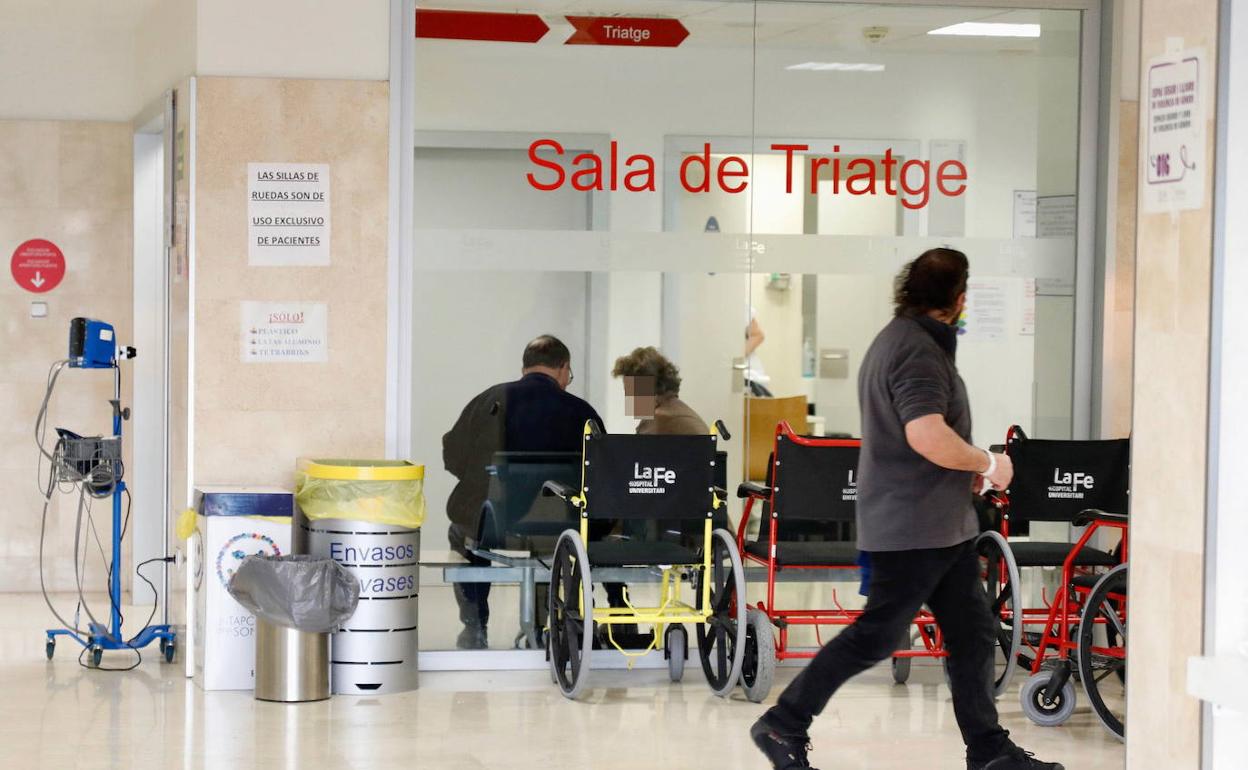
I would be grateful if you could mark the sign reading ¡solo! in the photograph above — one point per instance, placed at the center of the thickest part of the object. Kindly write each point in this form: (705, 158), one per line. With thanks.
(288, 221)
(284, 333)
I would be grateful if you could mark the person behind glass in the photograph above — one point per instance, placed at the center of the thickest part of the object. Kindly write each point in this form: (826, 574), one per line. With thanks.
(916, 473)
(756, 378)
(532, 414)
(652, 395)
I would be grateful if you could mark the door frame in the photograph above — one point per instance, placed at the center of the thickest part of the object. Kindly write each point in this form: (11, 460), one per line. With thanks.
(401, 373)
(153, 170)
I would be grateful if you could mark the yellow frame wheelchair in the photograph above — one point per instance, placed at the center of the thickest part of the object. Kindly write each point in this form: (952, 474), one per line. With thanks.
(656, 488)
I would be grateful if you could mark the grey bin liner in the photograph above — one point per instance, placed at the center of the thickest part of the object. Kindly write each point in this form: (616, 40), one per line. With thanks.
(307, 593)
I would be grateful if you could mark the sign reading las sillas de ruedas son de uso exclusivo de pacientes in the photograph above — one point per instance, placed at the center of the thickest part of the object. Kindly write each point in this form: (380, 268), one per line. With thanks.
(288, 214)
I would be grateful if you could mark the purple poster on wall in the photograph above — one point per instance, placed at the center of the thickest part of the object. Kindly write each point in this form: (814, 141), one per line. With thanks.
(1175, 132)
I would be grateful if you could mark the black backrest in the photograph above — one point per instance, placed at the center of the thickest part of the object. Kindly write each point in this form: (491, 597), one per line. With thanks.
(649, 477)
(815, 478)
(1054, 480)
(514, 506)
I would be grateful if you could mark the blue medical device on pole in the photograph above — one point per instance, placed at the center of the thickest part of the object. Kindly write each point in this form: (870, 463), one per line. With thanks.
(96, 463)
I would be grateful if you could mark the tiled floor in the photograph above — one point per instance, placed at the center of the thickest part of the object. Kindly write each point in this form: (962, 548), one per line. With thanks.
(60, 715)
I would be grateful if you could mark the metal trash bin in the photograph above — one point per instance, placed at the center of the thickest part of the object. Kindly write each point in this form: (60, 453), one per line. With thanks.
(366, 516)
(291, 665)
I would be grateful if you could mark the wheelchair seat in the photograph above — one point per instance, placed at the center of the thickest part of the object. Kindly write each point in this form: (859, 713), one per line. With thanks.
(629, 553)
(808, 503)
(1029, 554)
(515, 514)
(807, 554)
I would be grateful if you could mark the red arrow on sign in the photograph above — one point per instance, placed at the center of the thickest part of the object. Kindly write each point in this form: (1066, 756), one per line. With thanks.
(480, 25)
(626, 31)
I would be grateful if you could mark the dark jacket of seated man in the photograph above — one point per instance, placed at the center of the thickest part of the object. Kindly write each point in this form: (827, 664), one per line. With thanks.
(532, 414)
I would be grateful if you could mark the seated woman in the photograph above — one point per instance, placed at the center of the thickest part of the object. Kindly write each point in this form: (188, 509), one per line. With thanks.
(652, 390)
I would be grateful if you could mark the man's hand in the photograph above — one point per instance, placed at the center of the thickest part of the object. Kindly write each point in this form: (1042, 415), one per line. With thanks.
(1003, 474)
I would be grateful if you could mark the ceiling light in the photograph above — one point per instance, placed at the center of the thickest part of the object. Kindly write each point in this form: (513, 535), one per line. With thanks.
(836, 66)
(987, 29)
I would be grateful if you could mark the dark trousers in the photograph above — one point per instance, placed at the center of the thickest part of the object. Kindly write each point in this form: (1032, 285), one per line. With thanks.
(947, 580)
(473, 598)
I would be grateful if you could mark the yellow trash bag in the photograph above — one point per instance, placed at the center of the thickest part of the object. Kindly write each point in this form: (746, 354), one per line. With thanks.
(186, 524)
(378, 491)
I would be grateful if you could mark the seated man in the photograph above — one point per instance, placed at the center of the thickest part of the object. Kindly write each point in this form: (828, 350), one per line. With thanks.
(652, 390)
(532, 414)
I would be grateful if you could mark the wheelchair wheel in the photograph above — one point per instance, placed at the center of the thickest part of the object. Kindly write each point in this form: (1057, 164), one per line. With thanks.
(1103, 672)
(571, 614)
(676, 648)
(902, 666)
(721, 639)
(1045, 714)
(758, 667)
(999, 572)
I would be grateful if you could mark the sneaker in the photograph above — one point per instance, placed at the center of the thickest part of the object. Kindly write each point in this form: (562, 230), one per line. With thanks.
(1015, 758)
(784, 752)
(472, 638)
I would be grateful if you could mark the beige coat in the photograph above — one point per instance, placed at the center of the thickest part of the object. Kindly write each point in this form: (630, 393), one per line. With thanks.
(673, 417)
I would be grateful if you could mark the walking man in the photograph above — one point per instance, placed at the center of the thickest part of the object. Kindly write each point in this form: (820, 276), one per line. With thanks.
(915, 519)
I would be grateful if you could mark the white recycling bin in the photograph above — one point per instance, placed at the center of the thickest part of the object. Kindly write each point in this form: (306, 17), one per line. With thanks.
(232, 523)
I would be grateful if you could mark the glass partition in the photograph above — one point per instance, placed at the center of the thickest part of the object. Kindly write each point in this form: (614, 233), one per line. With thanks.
(740, 199)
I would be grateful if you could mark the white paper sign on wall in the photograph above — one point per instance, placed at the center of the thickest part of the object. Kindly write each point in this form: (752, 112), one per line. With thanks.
(987, 308)
(1056, 216)
(1024, 213)
(288, 221)
(284, 333)
(1174, 132)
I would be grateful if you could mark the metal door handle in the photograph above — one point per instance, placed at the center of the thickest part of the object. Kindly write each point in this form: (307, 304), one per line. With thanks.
(834, 356)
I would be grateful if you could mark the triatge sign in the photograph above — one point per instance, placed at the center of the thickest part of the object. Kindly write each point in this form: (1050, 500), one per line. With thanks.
(1174, 130)
(284, 333)
(287, 214)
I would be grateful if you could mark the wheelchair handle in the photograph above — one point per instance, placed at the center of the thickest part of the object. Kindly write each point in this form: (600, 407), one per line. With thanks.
(556, 489)
(722, 430)
(753, 489)
(595, 429)
(1095, 514)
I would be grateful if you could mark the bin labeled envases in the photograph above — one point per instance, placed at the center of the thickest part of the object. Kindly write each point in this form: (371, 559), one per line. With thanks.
(366, 515)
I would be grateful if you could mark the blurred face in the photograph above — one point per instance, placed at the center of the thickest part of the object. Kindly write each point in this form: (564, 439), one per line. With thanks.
(639, 397)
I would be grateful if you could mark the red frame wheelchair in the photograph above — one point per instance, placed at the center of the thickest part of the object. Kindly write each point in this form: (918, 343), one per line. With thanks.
(1083, 484)
(812, 491)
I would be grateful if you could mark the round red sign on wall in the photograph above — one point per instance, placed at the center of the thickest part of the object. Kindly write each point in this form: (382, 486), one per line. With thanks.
(38, 265)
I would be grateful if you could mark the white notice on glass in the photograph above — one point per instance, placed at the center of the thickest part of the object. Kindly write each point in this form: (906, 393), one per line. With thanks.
(284, 333)
(1024, 213)
(986, 308)
(1174, 126)
(1056, 216)
(287, 214)
(1028, 327)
